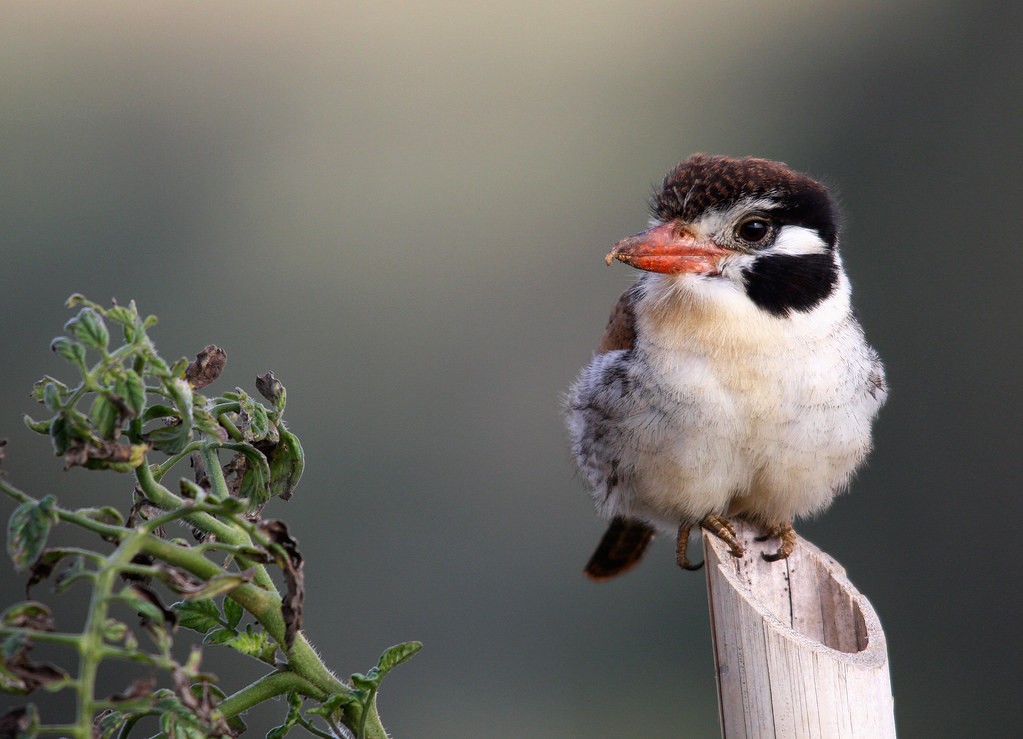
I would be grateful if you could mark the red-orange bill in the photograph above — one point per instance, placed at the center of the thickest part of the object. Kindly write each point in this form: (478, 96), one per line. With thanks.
(664, 249)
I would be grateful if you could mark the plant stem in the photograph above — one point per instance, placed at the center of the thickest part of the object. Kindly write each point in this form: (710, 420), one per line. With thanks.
(91, 646)
(271, 685)
(165, 499)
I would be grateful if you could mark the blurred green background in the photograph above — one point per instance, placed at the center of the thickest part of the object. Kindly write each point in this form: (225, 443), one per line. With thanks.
(402, 209)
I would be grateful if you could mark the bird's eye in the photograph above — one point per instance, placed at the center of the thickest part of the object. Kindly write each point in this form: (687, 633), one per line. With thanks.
(753, 230)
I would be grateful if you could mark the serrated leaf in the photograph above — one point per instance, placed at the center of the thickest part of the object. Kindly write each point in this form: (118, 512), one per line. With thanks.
(233, 612)
(256, 644)
(27, 530)
(88, 327)
(198, 615)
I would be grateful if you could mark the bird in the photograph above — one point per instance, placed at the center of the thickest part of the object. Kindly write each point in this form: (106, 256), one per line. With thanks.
(733, 378)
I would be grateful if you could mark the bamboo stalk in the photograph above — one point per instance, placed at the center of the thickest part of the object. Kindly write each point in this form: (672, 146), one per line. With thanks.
(799, 651)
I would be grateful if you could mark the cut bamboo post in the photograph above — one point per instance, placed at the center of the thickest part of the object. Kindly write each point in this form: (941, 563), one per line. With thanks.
(799, 652)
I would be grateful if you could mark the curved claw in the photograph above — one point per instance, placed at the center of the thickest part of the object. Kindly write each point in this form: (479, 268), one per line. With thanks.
(788, 542)
(723, 530)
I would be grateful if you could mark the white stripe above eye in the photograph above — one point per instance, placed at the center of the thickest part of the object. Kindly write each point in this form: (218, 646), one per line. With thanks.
(797, 240)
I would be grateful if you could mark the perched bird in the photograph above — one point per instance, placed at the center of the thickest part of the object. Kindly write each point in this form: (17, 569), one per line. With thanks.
(733, 378)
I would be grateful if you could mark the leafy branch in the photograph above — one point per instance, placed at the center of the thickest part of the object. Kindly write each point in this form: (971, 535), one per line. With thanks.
(127, 405)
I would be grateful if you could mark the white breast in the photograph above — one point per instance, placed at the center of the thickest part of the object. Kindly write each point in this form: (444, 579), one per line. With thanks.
(753, 413)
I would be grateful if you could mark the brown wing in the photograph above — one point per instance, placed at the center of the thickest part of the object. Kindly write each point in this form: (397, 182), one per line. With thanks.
(621, 326)
(621, 548)
(626, 540)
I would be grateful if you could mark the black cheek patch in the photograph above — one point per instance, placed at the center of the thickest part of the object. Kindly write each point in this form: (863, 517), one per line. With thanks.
(784, 283)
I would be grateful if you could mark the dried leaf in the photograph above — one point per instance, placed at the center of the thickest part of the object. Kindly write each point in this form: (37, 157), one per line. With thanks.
(289, 559)
(141, 688)
(19, 722)
(206, 367)
(18, 674)
(29, 614)
(272, 389)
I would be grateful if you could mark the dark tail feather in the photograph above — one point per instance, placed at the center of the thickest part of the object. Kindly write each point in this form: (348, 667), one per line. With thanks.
(620, 549)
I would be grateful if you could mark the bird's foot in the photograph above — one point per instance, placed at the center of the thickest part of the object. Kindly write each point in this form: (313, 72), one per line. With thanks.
(681, 544)
(787, 534)
(722, 529)
(716, 525)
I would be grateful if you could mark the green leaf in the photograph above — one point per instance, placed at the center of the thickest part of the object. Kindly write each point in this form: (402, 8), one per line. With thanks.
(219, 585)
(132, 391)
(114, 630)
(27, 530)
(221, 636)
(198, 615)
(51, 397)
(72, 351)
(255, 482)
(291, 720)
(175, 437)
(40, 427)
(88, 328)
(335, 702)
(123, 315)
(104, 416)
(253, 643)
(169, 439)
(106, 514)
(60, 436)
(159, 410)
(287, 461)
(259, 424)
(39, 389)
(16, 643)
(233, 612)
(394, 656)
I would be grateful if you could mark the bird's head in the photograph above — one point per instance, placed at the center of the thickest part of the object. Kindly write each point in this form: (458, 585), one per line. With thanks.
(752, 223)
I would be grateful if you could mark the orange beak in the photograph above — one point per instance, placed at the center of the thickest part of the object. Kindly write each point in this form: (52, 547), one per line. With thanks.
(664, 249)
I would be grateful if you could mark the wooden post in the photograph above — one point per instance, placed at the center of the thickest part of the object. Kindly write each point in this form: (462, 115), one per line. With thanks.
(799, 652)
